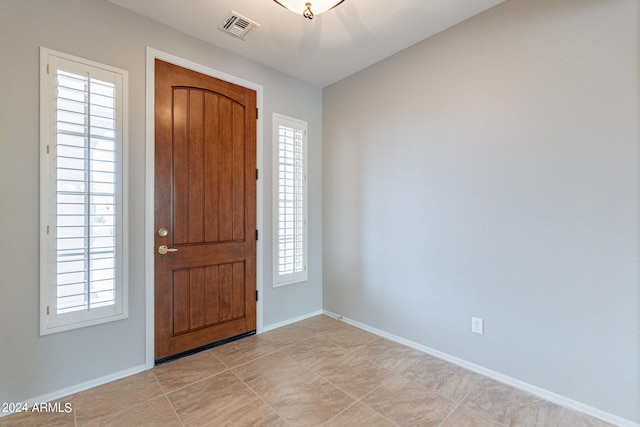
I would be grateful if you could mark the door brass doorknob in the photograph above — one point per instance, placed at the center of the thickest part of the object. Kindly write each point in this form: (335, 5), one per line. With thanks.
(163, 250)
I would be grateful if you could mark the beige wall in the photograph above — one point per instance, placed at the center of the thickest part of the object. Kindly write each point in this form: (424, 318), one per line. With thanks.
(492, 171)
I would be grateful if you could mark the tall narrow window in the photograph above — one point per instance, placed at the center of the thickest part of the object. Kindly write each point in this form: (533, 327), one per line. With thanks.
(290, 200)
(83, 259)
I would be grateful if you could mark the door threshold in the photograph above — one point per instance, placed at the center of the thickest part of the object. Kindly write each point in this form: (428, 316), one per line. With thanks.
(202, 348)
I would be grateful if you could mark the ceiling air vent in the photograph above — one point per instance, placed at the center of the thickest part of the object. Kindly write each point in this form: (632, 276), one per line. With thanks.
(237, 25)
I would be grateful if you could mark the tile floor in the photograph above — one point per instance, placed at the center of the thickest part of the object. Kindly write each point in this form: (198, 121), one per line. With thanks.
(319, 371)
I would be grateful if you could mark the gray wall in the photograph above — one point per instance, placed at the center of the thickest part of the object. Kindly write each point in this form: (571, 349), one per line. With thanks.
(30, 365)
(492, 171)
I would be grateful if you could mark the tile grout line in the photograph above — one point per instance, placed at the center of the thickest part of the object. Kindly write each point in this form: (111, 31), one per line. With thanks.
(355, 402)
(367, 406)
(309, 370)
(120, 411)
(174, 410)
(393, 373)
(270, 352)
(166, 396)
(199, 380)
(260, 398)
(449, 414)
(473, 410)
(359, 400)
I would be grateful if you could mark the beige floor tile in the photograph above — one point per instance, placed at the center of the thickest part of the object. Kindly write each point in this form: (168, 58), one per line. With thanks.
(391, 355)
(157, 412)
(442, 377)
(348, 337)
(310, 401)
(184, 371)
(320, 323)
(316, 352)
(285, 336)
(255, 414)
(534, 412)
(490, 398)
(463, 417)
(242, 351)
(359, 415)
(355, 375)
(215, 397)
(409, 404)
(59, 414)
(572, 418)
(308, 374)
(107, 401)
(510, 406)
(276, 370)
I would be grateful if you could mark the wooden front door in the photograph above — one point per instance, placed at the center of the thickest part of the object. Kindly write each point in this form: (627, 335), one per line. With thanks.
(205, 210)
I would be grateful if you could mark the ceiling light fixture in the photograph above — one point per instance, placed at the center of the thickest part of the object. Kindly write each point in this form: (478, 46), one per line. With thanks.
(304, 7)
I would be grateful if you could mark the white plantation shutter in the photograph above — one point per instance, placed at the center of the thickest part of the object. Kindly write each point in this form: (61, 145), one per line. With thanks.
(84, 264)
(290, 216)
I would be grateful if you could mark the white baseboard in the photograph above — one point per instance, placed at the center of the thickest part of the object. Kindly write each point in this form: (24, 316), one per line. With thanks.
(59, 394)
(537, 391)
(290, 321)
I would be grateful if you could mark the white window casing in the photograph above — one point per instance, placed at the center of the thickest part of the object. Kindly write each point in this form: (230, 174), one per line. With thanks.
(83, 152)
(290, 201)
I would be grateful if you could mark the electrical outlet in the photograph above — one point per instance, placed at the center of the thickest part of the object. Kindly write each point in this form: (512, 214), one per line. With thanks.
(476, 325)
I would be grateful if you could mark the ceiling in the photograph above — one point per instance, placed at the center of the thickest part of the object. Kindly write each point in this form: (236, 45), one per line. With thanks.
(334, 45)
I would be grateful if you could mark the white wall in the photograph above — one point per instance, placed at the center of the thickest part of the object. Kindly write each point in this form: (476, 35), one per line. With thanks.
(33, 366)
(492, 171)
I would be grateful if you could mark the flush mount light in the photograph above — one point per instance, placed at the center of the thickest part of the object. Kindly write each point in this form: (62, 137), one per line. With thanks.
(309, 8)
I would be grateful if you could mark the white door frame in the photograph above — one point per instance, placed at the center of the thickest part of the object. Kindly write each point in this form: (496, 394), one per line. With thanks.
(152, 54)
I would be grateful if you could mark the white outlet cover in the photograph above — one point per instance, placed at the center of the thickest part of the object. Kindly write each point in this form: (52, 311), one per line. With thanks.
(476, 325)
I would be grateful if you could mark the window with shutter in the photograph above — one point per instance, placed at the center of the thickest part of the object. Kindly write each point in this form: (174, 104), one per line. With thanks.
(83, 250)
(290, 200)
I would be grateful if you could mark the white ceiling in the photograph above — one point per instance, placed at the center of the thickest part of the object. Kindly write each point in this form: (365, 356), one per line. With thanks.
(334, 45)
